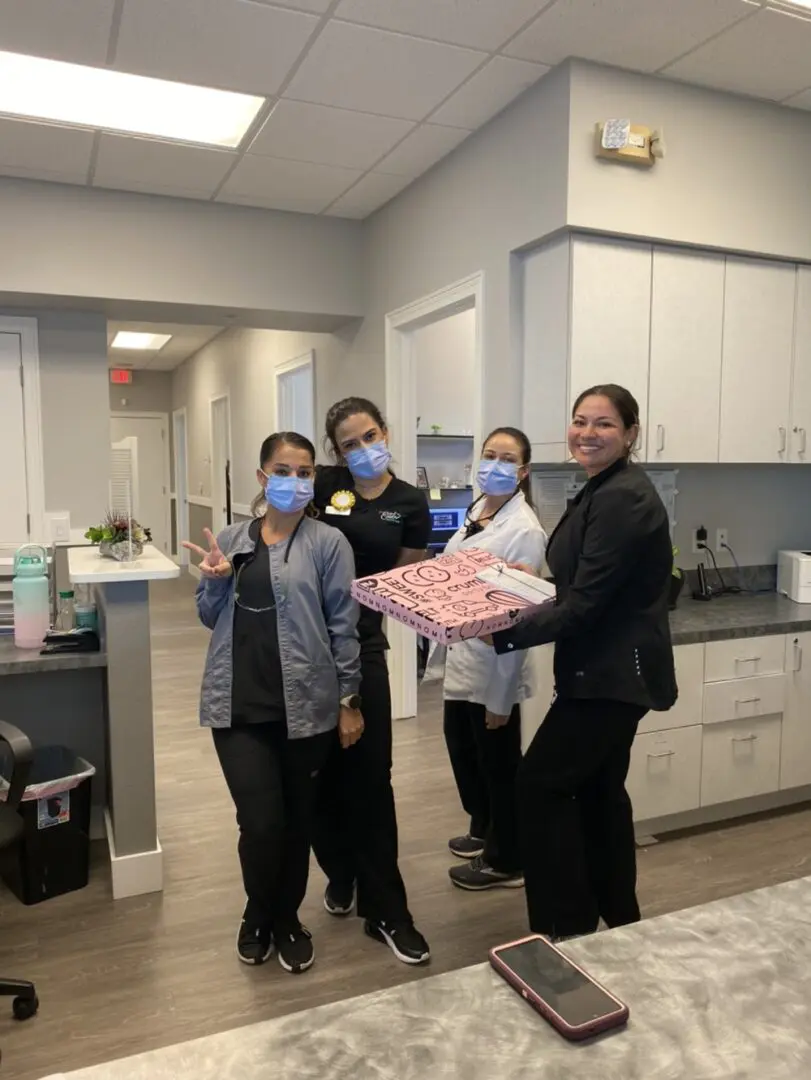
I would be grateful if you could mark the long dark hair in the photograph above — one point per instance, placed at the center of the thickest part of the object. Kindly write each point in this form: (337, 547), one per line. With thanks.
(340, 412)
(525, 485)
(266, 453)
(623, 401)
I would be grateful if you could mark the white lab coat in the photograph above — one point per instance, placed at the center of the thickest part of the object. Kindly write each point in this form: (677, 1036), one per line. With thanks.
(472, 670)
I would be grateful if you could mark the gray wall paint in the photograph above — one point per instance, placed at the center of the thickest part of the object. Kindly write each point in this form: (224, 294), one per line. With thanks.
(115, 246)
(75, 412)
(734, 176)
(149, 391)
(505, 187)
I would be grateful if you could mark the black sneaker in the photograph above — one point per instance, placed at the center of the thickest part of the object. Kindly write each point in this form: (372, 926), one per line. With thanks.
(466, 847)
(403, 938)
(478, 875)
(294, 949)
(339, 900)
(254, 941)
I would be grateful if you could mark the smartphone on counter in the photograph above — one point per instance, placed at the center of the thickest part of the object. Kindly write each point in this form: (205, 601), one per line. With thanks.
(565, 995)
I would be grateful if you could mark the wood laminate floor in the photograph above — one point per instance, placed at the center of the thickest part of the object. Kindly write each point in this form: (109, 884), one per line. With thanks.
(119, 978)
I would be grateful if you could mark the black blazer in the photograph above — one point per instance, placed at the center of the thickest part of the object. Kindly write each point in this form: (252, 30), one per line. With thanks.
(611, 559)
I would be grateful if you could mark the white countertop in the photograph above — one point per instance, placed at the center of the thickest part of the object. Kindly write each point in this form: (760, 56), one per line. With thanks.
(87, 567)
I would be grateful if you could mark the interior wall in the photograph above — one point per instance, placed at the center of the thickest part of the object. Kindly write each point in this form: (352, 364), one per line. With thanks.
(149, 391)
(241, 363)
(735, 174)
(75, 412)
(445, 353)
(503, 188)
(68, 242)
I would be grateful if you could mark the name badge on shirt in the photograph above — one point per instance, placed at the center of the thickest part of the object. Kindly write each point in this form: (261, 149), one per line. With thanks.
(341, 503)
(335, 510)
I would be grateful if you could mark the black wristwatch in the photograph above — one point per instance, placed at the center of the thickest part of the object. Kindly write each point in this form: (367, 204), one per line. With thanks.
(352, 701)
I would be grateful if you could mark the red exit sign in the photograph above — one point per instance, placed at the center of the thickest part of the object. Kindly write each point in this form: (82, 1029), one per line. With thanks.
(120, 376)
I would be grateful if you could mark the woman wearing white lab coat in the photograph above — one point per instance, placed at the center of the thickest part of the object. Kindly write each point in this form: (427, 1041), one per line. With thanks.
(482, 691)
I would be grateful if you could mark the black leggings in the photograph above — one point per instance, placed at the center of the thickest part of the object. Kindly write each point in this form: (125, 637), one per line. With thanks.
(273, 780)
(485, 763)
(576, 820)
(355, 836)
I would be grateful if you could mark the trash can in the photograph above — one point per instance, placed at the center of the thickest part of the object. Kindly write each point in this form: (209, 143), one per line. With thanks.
(53, 856)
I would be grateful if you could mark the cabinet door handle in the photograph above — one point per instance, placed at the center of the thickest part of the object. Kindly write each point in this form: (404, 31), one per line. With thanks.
(782, 431)
(803, 439)
(664, 753)
(747, 659)
(747, 701)
(744, 738)
(798, 656)
(660, 438)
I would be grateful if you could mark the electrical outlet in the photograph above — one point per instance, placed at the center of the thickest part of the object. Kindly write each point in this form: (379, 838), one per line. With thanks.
(699, 539)
(721, 539)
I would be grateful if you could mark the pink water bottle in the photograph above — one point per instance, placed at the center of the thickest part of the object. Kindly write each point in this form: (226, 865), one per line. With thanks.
(32, 609)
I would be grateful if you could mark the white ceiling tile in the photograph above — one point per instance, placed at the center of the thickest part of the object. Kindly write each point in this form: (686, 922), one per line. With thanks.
(800, 101)
(354, 67)
(318, 6)
(488, 92)
(44, 152)
(328, 136)
(481, 24)
(74, 30)
(286, 185)
(767, 56)
(422, 149)
(229, 44)
(165, 168)
(370, 193)
(639, 34)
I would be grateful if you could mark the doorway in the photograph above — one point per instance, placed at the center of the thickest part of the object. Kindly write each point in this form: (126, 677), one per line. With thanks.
(22, 510)
(146, 437)
(295, 395)
(402, 412)
(180, 446)
(220, 462)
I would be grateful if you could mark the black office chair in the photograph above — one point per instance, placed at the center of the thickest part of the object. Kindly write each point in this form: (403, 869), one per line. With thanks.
(25, 1002)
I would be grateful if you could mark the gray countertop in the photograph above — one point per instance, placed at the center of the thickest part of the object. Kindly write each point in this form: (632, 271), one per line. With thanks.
(14, 661)
(716, 992)
(737, 616)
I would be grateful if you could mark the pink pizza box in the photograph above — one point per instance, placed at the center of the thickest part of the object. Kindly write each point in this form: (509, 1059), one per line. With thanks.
(443, 599)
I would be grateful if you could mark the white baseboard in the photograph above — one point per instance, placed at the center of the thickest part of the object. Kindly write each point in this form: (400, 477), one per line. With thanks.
(134, 875)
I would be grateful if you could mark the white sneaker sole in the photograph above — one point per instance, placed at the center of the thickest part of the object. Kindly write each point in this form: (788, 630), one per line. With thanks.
(295, 971)
(386, 939)
(253, 963)
(505, 883)
(338, 912)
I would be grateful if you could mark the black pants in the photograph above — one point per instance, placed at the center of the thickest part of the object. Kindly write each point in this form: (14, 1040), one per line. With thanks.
(575, 817)
(484, 765)
(355, 836)
(273, 780)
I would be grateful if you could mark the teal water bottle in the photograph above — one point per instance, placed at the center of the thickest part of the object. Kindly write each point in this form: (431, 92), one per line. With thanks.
(30, 589)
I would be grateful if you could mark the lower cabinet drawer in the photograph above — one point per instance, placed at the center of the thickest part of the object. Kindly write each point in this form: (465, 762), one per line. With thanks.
(740, 759)
(665, 773)
(741, 699)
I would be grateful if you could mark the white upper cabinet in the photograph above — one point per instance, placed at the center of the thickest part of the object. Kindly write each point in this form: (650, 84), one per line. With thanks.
(687, 313)
(800, 419)
(757, 357)
(610, 321)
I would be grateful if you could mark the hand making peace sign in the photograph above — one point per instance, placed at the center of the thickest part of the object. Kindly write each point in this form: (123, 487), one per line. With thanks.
(214, 564)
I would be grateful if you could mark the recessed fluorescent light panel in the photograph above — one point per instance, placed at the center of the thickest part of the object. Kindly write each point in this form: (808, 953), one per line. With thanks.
(37, 89)
(129, 339)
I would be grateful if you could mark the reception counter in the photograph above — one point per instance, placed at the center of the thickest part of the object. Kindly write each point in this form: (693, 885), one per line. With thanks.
(121, 592)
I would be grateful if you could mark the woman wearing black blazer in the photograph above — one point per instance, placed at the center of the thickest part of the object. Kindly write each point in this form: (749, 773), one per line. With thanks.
(611, 560)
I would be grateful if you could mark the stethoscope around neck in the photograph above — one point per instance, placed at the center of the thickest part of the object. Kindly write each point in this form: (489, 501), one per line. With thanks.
(262, 610)
(473, 526)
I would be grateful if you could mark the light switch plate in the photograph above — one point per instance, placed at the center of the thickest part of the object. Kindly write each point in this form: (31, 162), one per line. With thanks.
(57, 526)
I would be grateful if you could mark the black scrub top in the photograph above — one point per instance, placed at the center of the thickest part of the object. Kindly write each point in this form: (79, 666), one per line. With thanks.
(257, 695)
(376, 529)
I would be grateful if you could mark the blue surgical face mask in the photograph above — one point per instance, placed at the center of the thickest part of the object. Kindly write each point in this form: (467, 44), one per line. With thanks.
(497, 477)
(369, 462)
(288, 494)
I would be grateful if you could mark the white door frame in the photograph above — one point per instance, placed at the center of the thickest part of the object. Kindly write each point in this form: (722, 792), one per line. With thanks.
(27, 329)
(182, 527)
(306, 359)
(401, 410)
(143, 414)
(225, 396)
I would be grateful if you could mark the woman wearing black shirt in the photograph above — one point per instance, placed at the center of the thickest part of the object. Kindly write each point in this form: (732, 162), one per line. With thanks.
(387, 524)
(611, 558)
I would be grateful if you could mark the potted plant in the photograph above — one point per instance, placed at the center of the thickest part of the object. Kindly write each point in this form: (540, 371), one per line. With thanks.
(676, 582)
(119, 537)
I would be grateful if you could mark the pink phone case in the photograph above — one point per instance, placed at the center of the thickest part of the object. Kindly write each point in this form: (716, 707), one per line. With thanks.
(615, 1018)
